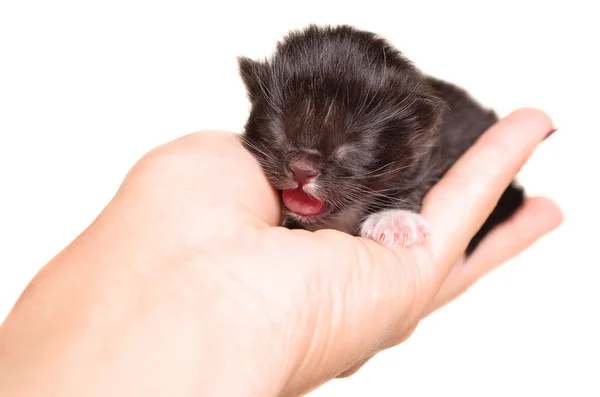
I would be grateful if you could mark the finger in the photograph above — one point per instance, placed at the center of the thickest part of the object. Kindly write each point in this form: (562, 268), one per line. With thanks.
(536, 218)
(458, 205)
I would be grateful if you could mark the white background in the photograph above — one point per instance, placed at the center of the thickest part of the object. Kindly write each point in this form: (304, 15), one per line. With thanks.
(86, 89)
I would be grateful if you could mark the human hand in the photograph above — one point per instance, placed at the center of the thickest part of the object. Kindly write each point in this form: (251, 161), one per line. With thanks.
(184, 285)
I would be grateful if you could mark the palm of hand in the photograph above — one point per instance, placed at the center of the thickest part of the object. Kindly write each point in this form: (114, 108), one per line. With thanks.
(327, 301)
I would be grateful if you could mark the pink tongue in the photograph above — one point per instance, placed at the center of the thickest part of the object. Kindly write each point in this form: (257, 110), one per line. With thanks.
(301, 203)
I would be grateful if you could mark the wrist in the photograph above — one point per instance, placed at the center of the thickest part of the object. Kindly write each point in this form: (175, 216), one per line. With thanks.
(104, 318)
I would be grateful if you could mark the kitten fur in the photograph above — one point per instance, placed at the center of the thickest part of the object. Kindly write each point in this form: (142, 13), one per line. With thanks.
(380, 132)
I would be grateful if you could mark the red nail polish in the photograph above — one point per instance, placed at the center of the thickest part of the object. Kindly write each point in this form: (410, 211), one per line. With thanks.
(550, 133)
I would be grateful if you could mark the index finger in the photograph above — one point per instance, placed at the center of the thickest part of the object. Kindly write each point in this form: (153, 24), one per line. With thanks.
(458, 205)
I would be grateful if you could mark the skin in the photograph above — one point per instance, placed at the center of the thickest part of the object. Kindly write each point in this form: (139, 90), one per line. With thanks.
(184, 286)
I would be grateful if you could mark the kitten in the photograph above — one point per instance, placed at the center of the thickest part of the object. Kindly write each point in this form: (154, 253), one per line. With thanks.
(354, 135)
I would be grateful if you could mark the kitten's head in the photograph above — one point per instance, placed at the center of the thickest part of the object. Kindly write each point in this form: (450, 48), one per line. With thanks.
(338, 121)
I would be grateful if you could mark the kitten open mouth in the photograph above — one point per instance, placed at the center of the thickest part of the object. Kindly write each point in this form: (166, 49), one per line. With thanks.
(298, 201)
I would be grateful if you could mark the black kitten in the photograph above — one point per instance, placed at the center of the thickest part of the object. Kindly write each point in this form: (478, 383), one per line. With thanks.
(354, 135)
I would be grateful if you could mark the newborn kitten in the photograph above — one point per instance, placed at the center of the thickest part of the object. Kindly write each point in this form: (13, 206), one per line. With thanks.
(354, 135)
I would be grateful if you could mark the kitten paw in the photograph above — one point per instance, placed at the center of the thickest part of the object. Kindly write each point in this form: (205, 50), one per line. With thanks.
(401, 227)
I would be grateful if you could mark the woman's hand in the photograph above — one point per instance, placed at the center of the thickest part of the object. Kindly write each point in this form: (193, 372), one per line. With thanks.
(185, 285)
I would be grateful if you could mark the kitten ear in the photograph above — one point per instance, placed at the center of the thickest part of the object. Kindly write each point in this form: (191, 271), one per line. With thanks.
(430, 109)
(253, 74)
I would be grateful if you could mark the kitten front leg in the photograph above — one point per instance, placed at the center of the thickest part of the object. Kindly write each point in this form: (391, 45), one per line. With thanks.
(401, 227)
(290, 223)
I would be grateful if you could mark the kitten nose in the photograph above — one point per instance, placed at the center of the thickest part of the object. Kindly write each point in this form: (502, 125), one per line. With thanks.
(303, 171)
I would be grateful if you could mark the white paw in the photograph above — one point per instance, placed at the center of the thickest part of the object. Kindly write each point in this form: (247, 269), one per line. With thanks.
(401, 227)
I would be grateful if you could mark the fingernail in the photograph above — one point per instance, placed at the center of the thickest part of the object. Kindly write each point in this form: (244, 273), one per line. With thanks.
(550, 133)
